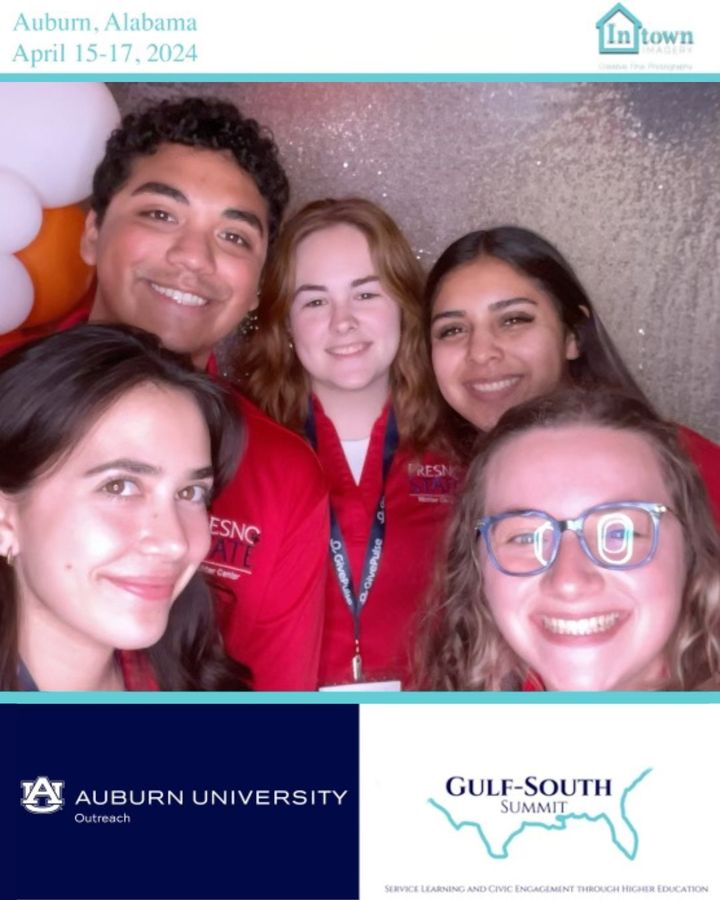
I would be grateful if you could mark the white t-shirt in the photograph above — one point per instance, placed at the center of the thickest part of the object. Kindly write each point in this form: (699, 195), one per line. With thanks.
(355, 453)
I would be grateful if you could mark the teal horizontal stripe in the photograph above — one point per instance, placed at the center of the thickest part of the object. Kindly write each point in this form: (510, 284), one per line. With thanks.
(184, 76)
(538, 698)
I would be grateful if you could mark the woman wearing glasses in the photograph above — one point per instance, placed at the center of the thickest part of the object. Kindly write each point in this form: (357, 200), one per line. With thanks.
(582, 556)
(509, 321)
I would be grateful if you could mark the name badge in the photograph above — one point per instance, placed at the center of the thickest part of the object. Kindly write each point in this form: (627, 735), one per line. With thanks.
(364, 686)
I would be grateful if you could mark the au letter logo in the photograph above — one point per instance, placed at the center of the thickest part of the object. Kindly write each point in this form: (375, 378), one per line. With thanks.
(42, 795)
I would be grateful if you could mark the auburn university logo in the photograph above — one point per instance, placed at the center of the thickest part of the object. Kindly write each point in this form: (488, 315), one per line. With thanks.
(42, 795)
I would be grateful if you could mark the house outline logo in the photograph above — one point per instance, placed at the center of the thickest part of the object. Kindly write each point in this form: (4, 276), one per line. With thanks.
(612, 39)
(42, 795)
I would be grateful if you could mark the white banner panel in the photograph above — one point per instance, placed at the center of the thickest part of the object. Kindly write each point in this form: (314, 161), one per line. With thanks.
(319, 37)
(541, 801)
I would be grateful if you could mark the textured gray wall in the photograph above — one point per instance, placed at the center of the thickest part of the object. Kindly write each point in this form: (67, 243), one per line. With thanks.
(624, 178)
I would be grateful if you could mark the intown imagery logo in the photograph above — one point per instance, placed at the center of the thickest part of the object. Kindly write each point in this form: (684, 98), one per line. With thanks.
(500, 810)
(619, 31)
(42, 795)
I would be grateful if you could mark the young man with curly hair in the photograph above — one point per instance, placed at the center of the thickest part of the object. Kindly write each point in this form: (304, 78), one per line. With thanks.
(185, 204)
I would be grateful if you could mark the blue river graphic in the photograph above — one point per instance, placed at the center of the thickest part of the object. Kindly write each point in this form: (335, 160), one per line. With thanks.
(562, 820)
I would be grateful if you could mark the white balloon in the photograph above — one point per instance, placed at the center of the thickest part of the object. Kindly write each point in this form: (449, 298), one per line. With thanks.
(16, 293)
(20, 212)
(54, 133)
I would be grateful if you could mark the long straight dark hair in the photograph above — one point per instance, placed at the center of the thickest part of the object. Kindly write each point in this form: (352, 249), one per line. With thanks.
(52, 391)
(598, 364)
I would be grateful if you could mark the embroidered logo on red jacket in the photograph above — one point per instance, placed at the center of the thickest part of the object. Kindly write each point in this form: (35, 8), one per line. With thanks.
(232, 549)
(433, 482)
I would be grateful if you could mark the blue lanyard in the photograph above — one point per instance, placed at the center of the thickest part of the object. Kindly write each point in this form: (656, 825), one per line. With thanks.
(338, 549)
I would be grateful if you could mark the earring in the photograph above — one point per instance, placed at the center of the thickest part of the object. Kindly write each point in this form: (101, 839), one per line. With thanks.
(249, 324)
(10, 557)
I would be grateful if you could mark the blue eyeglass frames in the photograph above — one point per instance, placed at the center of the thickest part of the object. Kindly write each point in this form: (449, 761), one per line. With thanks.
(622, 535)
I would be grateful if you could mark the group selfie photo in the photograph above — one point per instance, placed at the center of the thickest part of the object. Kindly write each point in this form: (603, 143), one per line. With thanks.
(359, 387)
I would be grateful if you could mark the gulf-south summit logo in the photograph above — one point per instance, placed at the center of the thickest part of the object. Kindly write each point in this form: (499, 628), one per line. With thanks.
(42, 795)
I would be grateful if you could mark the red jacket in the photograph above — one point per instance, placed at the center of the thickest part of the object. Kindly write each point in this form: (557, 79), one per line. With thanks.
(706, 457)
(136, 671)
(417, 504)
(268, 556)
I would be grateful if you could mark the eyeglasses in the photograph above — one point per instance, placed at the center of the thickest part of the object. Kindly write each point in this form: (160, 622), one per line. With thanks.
(613, 535)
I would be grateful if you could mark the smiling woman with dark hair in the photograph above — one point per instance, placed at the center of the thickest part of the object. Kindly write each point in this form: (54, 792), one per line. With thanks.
(110, 450)
(509, 320)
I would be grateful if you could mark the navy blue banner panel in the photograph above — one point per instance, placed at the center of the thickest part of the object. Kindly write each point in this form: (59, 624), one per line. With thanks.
(170, 802)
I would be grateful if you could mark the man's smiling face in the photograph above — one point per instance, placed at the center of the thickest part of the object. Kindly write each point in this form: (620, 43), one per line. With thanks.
(180, 248)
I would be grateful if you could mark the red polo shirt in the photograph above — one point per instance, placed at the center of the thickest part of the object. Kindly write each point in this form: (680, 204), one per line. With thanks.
(268, 557)
(418, 500)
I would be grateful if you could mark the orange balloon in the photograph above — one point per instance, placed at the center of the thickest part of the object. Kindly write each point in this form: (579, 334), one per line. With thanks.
(59, 274)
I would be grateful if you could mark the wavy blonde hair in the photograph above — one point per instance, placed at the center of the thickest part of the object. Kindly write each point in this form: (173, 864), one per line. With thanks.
(460, 646)
(267, 366)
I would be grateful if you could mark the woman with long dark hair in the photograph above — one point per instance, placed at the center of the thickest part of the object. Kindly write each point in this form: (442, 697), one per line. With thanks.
(110, 450)
(509, 320)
